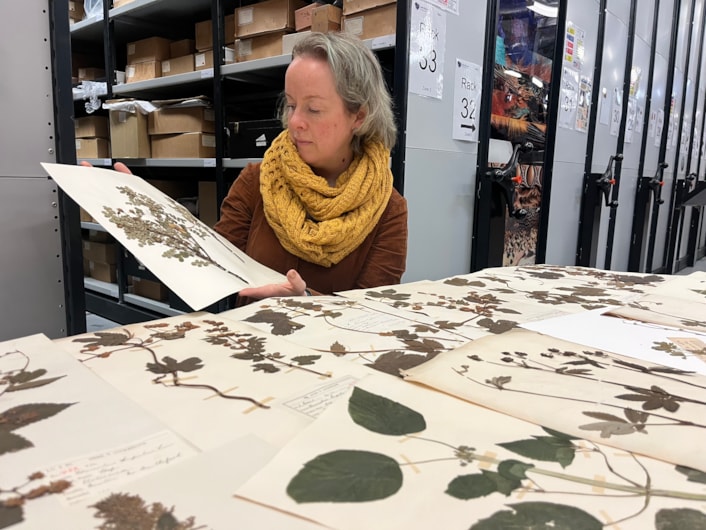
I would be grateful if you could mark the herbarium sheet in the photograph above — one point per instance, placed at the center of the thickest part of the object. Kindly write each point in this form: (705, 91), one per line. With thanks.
(162, 234)
(634, 405)
(399, 456)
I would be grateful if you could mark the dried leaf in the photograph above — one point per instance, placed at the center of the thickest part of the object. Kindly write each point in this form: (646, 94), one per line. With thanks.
(33, 384)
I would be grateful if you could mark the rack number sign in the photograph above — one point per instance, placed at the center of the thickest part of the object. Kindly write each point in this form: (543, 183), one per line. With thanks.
(427, 45)
(467, 91)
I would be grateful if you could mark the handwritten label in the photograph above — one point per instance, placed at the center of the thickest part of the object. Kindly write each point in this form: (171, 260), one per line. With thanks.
(691, 344)
(91, 475)
(315, 402)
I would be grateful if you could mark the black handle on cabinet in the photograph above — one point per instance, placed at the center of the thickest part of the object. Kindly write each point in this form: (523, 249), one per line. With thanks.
(506, 178)
(606, 181)
(657, 182)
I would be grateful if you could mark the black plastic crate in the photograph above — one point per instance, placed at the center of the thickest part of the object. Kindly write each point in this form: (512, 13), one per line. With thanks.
(250, 139)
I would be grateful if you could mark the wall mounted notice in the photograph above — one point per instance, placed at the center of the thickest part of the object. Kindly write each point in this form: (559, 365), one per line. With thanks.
(426, 50)
(467, 91)
(447, 5)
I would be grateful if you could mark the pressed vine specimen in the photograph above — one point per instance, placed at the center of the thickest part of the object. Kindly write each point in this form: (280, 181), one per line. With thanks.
(417, 344)
(247, 347)
(357, 476)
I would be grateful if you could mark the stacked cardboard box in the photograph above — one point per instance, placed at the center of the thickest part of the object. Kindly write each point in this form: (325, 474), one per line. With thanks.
(128, 134)
(148, 288)
(92, 137)
(367, 19)
(100, 258)
(182, 132)
(76, 11)
(144, 58)
(259, 28)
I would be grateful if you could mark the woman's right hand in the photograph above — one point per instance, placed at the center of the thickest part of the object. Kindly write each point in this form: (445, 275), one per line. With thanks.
(118, 166)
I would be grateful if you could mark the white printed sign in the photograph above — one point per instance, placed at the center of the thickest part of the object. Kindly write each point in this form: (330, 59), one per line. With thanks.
(467, 92)
(427, 46)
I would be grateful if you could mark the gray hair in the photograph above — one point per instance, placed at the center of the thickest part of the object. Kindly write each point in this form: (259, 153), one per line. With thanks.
(359, 82)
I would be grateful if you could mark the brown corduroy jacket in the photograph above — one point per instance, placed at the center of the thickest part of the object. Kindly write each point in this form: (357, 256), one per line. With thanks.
(379, 260)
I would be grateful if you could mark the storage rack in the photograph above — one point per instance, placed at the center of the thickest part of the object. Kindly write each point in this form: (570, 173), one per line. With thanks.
(253, 85)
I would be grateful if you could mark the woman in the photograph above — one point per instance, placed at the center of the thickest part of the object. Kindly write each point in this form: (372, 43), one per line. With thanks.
(321, 205)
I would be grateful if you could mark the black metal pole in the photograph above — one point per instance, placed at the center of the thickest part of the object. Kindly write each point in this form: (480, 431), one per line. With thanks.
(666, 109)
(627, 73)
(676, 213)
(480, 251)
(642, 193)
(550, 143)
(583, 249)
(70, 224)
(399, 93)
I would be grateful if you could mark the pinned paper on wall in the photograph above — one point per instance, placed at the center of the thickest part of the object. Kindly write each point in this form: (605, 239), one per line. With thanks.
(467, 92)
(632, 117)
(584, 104)
(447, 5)
(427, 47)
(568, 100)
(604, 116)
(640, 119)
(659, 126)
(616, 111)
(574, 47)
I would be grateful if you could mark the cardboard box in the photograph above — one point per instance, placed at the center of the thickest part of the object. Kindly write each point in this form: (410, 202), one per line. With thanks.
(372, 23)
(302, 16)
(204, 33)
(355, 6)
(92, 148)
(326, 18)
(85, 216)
(204, 60)
(175, 188)
(91, 127)
(290, 39)
(250, 139)
(128, 135)
(178, 65)
(143, 71)
(76, 11)
(208, 202)
(99, 236)
(100, 252)
(266, 17)
(259, 46)
(148, 50)
(181, 120)
(179, 48)
(103, 272)
(149, 289)
(90, 74)
(186, 145)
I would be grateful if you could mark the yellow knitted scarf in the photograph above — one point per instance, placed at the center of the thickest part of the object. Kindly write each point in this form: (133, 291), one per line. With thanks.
(314, 221)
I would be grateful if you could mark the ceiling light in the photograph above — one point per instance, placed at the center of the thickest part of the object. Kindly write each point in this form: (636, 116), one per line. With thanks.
(544, 9)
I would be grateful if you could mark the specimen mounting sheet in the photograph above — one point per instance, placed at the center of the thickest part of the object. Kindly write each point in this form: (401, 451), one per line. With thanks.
(162, 234)
(396, 455)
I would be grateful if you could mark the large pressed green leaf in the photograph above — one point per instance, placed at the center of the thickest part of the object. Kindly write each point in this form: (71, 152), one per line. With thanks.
(544, 448)
(466, 487)
(679, 519)
(346, 476)
(383, 416)
(24, 415)
(538, 516)
(11, 442)
(10, 516)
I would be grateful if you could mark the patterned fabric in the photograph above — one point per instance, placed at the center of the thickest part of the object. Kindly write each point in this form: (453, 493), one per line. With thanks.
(317, 222)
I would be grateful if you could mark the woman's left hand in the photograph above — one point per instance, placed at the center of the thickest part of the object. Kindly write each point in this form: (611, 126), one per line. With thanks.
(294, 286)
